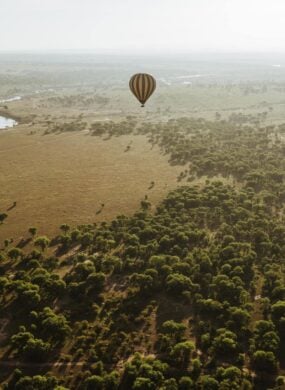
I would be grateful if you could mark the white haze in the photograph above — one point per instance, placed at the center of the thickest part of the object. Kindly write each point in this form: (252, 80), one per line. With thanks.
(143, 26)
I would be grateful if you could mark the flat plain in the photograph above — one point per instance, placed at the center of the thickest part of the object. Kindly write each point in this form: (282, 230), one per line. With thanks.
(66, 178)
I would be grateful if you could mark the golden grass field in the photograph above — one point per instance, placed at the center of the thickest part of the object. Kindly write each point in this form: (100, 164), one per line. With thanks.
(65, 178)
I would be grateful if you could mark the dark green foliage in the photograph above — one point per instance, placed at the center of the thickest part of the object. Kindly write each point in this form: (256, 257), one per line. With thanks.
(264, 362)
(3, 216)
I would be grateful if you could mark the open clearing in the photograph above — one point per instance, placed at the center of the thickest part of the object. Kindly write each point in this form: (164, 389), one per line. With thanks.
(65, 178)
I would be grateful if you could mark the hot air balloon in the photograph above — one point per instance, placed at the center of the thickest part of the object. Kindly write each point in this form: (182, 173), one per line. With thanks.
(142, 86)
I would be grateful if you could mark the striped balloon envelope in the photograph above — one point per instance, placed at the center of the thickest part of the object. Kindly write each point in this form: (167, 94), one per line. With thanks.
(142, 86)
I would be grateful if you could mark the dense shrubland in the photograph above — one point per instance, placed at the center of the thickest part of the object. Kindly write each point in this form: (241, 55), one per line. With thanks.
(191, 296)
(85, 100)
(57, 128)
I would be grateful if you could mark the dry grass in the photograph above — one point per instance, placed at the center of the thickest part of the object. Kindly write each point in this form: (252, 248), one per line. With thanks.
(64, 178)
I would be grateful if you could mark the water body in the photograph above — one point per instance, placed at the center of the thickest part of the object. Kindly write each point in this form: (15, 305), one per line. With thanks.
(12, 99)
(6, 123)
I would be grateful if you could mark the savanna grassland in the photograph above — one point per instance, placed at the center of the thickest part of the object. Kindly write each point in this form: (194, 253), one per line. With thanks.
(142, 249)
(68, 177)
(60, 94)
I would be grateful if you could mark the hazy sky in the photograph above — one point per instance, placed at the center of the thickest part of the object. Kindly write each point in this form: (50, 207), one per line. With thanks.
(143, 25)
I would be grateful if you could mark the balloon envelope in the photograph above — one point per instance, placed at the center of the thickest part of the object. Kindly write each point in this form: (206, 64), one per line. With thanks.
(142, 86)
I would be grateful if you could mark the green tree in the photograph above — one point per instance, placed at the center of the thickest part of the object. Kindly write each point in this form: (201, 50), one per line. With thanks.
(174, 329)
(94, 382)
(144, 384)
(33, 231)
(64, 228)
(181, 352)
(186, 383)
(3, 216)
(263, 361)
(42, 242)
(208, 383)
(15, 253)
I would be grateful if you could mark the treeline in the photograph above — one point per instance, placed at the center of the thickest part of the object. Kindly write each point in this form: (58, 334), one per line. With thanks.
(85, 100)
(252, 155)
(65, 127)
